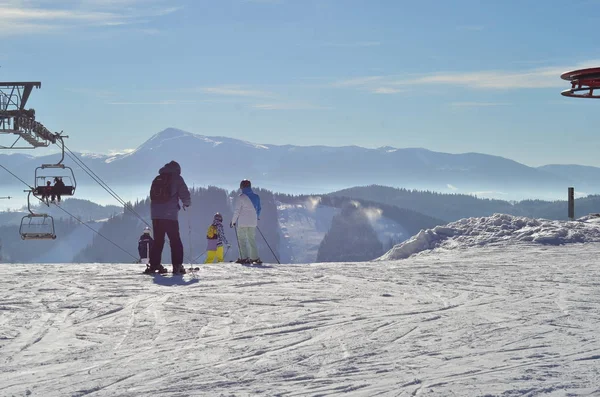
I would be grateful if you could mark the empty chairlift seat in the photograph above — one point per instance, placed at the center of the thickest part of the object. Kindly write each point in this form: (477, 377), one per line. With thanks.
(37, 227)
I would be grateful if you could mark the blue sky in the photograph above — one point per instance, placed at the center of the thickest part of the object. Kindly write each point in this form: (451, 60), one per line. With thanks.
(452, 76)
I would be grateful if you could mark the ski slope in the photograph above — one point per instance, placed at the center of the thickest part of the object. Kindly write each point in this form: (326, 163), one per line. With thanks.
(512, 319)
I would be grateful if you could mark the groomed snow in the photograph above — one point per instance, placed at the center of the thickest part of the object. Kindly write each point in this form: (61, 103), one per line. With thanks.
(504, 320)
(498, 228)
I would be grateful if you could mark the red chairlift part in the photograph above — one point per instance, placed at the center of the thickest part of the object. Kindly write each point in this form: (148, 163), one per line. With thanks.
(581, 74)
(583, 83)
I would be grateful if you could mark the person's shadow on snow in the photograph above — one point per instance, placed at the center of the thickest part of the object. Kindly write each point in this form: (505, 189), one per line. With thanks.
(171, 280)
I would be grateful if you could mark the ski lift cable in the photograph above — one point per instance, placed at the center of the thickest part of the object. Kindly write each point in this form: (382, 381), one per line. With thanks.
(98, 233)
(89, 171)
(94, 176)
(103, 184)
(7, 170)
(97, 180)
(74, 217)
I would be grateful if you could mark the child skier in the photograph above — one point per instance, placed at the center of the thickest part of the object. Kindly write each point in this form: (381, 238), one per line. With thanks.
(145, 245)
(215, 237)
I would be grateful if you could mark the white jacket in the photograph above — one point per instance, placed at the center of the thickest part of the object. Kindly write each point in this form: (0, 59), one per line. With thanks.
(244, 214)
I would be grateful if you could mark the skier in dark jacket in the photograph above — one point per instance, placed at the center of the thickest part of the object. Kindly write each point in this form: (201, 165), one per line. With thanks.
(57, 189)
(145, 244)
(166, 191)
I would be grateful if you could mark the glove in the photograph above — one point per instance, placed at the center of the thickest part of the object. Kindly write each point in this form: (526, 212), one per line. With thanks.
(186, 206)
(231, 224)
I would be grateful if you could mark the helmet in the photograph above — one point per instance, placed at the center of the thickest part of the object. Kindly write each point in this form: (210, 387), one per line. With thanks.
(146, 230)
(245, 183)
(218, 217)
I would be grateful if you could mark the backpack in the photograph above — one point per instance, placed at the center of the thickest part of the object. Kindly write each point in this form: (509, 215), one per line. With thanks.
(212, 232)
(160, 192)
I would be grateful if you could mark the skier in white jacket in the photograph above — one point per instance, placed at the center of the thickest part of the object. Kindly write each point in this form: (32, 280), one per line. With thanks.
(245, 220)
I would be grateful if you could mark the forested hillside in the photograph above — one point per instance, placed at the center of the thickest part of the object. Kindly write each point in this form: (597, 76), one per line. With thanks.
(451, 207)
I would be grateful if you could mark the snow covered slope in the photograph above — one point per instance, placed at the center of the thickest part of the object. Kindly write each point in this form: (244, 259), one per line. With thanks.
(505, 320)
(498, 228)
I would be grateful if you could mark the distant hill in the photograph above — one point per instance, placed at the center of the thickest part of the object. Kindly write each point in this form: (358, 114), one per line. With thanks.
(410, 220)
(83, 209)
(213, 160)
(584, 179)
(451, 207)
(351, 237)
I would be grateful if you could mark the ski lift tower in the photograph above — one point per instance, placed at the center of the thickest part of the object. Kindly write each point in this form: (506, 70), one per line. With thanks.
(15, 119)
(583, 84)
(18, 121)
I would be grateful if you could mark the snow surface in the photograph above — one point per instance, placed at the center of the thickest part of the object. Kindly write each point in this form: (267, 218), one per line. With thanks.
(498, 228)
(504, 320)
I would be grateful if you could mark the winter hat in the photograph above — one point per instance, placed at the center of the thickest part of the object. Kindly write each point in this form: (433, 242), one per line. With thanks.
(146, 230)
(218, 217)
(245, 183)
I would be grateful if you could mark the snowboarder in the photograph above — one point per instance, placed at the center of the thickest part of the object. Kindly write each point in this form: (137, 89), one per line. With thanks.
(215, 237)
(166, 191)
(245, 219)
(145, 246)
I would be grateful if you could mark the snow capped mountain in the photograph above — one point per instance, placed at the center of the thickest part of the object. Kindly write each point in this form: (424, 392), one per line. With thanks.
(213, 160)
(216, 160)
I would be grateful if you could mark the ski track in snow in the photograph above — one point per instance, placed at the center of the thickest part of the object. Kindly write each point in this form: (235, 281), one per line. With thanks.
(516, 320)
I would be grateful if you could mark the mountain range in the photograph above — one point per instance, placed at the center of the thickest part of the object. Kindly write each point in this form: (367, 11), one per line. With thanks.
(222, 161)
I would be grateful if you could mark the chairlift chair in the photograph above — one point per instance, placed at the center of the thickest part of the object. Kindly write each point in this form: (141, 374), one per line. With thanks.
(52, 172)
(36, 226)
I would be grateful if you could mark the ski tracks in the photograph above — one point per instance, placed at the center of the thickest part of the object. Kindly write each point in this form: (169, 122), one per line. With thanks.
(516, 323)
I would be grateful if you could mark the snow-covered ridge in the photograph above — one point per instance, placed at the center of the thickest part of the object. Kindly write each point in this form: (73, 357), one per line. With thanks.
(93, 155)
(498, 228)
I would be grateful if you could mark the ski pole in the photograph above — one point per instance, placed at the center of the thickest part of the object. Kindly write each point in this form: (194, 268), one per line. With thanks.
(266, 242)
(198, 257)
(190, 233)
(238, 241)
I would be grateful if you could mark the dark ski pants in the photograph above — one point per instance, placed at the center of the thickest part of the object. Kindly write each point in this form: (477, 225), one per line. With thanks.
(171, 229)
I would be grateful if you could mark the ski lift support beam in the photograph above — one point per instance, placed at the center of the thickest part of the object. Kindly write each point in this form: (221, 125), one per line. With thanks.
(15, 119)
(19, 92)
